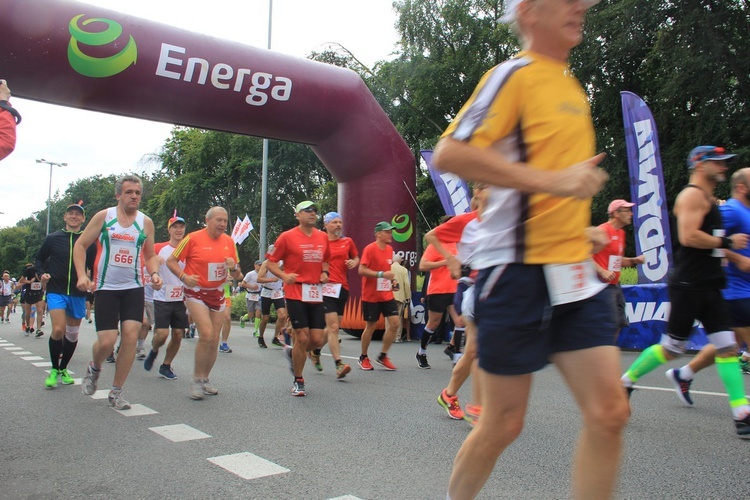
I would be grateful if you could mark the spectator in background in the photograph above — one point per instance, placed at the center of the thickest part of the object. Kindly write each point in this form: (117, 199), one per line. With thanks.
(9, 118)
(402, 293)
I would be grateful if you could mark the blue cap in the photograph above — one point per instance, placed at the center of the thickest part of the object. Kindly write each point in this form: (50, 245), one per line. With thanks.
(330, 216)
(707, 153)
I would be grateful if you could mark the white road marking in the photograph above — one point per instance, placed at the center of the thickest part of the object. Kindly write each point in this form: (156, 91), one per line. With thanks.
(667, 389)
(248, 466)
(346, 497)
(179, 432)
(31, 358)
(136, 411)
(22, 353)
(42, 363)
(14, 348)
(100, 394)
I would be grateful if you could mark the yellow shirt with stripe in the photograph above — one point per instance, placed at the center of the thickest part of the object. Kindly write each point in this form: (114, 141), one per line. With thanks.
(530, 109)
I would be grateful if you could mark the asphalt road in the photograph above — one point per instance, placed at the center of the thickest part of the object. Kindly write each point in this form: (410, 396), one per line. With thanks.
(375, 435)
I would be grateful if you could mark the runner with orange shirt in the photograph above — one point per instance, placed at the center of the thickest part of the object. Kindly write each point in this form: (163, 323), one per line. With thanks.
(304, 250)
(377, 297)
(440, 291)
(210, 255)
(344, 256)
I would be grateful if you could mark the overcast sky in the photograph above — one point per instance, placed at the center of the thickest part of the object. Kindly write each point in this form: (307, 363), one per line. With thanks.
(55, 133)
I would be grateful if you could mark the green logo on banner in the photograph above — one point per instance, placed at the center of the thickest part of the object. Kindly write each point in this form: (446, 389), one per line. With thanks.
(402, 228)
(99, 67)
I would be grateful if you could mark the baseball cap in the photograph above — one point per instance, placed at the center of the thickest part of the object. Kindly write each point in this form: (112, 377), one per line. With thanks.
(383, 226)
(707, 153)
(175, 220)
(618, 204)
(75, 205)
(303, 205)
(258, 262)
(397, 257)
(330, 216)
(511, 9)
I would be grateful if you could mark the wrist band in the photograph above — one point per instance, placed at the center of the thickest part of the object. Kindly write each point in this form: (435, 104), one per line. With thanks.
(726, 242)
(326, 272)
(380, 274)
(182, 276)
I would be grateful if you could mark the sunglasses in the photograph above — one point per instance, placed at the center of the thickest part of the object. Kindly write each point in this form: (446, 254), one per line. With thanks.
(310, 210)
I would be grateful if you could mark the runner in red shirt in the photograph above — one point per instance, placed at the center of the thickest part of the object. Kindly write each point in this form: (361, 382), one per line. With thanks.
(440, 291)
(609, 260)
(344, 256)
(304, 250)
(377, 297)
(210, 256)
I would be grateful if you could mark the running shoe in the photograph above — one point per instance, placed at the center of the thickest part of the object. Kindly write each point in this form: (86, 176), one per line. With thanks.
(90, 380)
(422, 361)
(38, 334)
(90, 321)
(745, 367)
(398, 340)
(116, 400)
(315, 358)
(26, 332)
(682, 387)
(191, 330)
(298, 388)
(225, 348)
(196, 389)
(365, 364)
(165, 371)
(111, 357)
(473, 411)
(209, 389)
(256, 333)
(457, 357)
(148, 363)
(288, 356)
(276, 342)
(743, 427)
(449, 351)
(140, 352)
(262, 343)
(342, 370)
(51, 382)
(385, 362)
(66, 378)
(242, 322)
(450, 403)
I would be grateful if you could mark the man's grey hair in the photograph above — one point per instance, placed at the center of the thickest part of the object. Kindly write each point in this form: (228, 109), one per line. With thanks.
(126, 178)
(212, 211)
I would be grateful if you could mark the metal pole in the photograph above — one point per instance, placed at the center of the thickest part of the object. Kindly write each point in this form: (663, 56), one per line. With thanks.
(49, 193)
(264, 175)
(49, 196)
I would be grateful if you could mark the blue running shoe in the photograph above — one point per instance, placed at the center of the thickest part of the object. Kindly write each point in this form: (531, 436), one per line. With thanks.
(148, 363)
(682, 387)
(165, 371)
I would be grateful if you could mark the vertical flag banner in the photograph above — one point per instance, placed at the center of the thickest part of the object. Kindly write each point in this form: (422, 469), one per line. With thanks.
(244, 230)
(453, 191)
(650, 213)
(236, 230)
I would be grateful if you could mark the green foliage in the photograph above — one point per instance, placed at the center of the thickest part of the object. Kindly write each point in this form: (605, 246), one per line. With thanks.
(629, 276)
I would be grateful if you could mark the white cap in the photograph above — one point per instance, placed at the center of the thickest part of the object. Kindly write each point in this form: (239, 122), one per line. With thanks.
(511, 7)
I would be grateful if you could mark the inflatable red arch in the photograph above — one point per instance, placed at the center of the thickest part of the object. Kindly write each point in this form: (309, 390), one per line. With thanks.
(86, 57)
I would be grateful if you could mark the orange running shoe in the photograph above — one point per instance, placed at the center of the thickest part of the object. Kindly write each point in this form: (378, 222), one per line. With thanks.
(450, 403)
(365, 364)
(385, 362)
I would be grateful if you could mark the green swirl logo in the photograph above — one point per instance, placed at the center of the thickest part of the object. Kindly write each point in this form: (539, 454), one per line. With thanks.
(99, 67)
(402, 228)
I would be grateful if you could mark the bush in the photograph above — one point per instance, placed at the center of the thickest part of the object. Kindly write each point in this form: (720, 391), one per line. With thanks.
(629, 276)
(240, 309)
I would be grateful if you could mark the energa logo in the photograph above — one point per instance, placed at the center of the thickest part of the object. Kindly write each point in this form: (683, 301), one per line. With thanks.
(402, 228)
(98, 67)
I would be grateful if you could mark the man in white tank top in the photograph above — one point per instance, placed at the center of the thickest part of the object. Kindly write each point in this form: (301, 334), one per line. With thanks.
(121, 234)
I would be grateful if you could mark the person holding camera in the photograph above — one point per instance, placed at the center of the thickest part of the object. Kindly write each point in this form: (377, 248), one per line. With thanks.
(9, 118)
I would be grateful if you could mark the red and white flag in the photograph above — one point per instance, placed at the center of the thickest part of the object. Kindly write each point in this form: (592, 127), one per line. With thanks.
(236, 230)
(245, 229)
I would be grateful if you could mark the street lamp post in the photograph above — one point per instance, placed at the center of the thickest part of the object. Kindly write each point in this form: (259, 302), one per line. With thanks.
(264, 168)
(49, 194)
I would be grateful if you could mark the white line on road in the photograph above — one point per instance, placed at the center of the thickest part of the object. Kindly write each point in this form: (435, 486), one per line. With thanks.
(248, 466)
(179, 432)
(667, 389)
